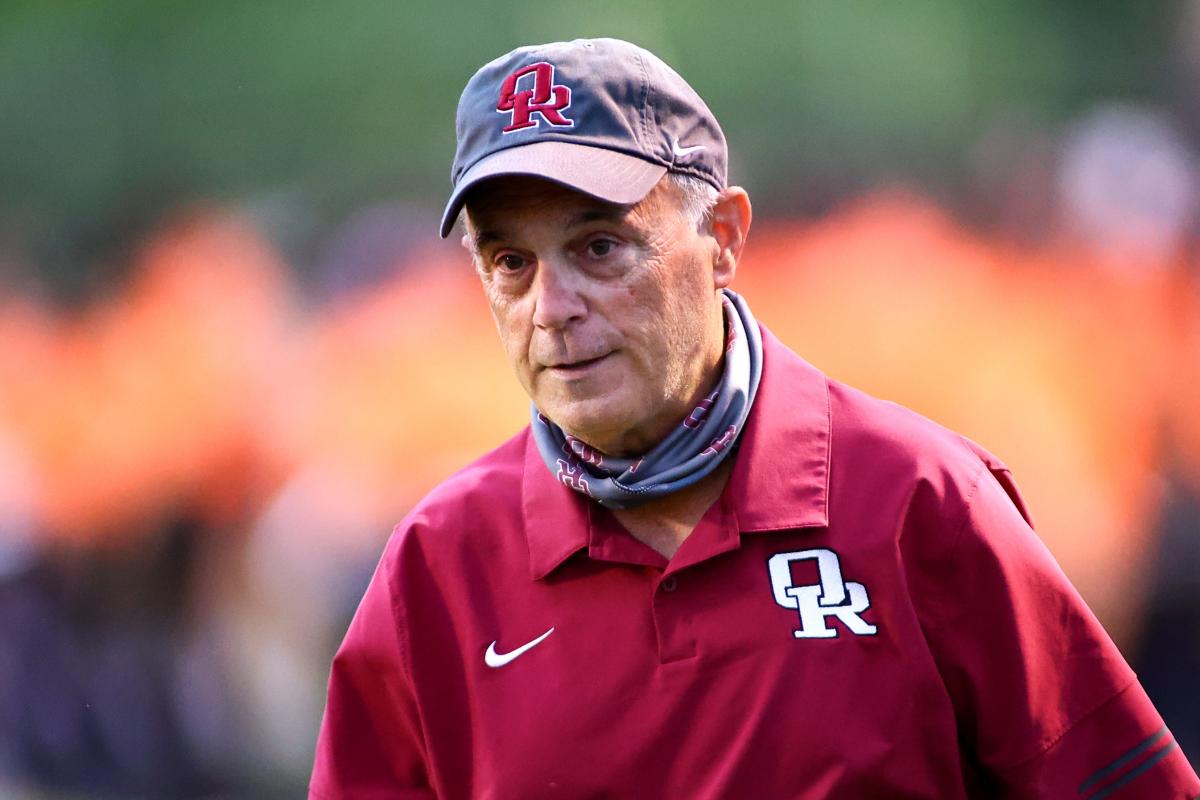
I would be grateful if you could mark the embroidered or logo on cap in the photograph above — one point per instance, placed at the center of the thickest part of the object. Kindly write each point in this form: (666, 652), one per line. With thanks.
(543, 98)
(683, 152)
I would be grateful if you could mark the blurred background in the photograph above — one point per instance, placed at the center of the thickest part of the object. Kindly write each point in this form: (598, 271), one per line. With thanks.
(233, 351)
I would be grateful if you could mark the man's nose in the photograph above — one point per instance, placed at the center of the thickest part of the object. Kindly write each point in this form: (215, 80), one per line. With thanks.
(558, 300)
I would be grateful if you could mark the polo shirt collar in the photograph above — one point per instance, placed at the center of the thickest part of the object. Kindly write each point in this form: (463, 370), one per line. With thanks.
(780, 478)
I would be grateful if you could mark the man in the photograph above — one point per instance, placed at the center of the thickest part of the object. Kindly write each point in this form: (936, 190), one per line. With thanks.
(704, 570)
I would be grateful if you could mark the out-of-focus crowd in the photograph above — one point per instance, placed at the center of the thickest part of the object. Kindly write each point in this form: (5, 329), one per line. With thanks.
(198, 471)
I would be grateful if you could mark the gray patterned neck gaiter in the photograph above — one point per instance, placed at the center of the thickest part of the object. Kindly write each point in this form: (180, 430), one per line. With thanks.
(691, 451)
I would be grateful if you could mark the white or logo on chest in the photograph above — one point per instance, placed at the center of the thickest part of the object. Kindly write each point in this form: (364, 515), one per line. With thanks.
(831, 597)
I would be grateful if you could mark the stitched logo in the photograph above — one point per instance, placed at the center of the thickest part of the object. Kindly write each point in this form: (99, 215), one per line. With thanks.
(682, 152)
(815, 604)
(531, 90)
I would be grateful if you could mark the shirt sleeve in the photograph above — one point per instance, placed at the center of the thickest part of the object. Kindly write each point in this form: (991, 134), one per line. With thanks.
(1045, 703)
(370, 744)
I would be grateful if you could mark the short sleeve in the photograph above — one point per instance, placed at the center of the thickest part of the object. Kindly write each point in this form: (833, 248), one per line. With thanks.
(1046, 705)
(370, 745)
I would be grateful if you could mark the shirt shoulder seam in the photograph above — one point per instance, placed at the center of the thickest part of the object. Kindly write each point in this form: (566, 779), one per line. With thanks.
(1070, 726)
(960, 526)
(401, 629)
(967, 501)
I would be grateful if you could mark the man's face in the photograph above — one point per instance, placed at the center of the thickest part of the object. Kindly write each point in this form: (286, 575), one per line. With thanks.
(609, 314)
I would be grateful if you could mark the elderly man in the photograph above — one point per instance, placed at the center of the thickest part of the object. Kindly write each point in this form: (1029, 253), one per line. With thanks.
(704, 569)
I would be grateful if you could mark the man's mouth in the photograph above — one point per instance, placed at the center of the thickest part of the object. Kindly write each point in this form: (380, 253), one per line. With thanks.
(577, 367)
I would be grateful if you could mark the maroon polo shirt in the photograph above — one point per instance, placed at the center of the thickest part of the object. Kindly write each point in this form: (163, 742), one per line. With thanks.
(865, 613)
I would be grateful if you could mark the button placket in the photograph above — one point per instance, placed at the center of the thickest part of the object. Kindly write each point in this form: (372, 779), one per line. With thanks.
(675, 639)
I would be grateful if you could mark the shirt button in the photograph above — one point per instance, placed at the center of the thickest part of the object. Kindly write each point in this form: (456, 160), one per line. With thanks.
(670, 584)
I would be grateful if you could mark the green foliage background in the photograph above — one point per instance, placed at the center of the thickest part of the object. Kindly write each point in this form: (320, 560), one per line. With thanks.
(112, 112)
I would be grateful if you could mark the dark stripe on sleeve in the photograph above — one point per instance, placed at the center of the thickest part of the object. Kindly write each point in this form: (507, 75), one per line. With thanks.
(1133, 773)
(1104, 772)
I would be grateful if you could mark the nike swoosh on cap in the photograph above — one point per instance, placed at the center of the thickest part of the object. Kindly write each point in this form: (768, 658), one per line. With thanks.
(680, 152)
(494, 659)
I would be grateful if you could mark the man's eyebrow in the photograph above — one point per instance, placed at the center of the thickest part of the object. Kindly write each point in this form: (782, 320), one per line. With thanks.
(485, 237)
(610, 214)
(482, 238)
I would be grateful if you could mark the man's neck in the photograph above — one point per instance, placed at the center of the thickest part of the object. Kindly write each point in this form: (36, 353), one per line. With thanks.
(664, 523)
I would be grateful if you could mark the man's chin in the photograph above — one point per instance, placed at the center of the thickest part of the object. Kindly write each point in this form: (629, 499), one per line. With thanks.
(595, 421)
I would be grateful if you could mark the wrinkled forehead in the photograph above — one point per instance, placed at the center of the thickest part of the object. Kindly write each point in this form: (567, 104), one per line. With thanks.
(517, 199)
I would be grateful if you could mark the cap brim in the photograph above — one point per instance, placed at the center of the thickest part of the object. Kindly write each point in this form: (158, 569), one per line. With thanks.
(604, 174)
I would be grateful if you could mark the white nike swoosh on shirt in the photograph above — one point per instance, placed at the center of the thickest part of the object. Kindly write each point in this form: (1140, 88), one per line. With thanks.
(494, 659)
(680, 152)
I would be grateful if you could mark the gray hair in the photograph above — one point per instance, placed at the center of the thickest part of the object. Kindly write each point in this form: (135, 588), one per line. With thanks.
(696, 197)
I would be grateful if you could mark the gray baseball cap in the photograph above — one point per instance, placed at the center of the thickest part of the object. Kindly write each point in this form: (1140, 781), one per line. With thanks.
(602, 116)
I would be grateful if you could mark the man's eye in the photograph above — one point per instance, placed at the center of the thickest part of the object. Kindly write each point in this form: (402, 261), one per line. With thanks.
(601, 247)
(510, 262)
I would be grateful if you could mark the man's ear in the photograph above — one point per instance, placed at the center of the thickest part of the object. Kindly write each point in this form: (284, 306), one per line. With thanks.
(468, 237)
(730, 224)
(463, 227)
